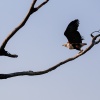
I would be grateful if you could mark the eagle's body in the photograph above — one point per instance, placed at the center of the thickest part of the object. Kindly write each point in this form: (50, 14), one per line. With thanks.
(73, 36)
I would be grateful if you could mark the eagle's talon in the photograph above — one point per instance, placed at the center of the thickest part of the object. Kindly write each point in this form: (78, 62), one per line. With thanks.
(80, 51)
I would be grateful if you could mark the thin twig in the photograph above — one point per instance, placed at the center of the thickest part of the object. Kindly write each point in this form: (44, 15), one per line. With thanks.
(94, 32)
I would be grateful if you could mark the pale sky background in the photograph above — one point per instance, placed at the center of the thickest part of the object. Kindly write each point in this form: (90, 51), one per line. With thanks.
(39, 46)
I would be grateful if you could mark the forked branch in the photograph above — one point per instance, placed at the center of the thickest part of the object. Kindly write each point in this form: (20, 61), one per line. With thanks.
(32, 73)
(32, 9)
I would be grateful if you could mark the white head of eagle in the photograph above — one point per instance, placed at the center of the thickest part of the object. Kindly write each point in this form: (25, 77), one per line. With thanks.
(73, 36)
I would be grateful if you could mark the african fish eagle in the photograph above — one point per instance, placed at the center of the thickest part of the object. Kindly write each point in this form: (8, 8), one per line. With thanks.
(73, 36)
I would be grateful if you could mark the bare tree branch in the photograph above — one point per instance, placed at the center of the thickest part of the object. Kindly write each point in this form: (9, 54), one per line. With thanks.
(32, 73)
(3, 52)
(31, 11)
(42, 4)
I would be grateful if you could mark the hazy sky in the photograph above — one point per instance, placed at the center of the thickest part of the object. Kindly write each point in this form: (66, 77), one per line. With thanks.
(39, 46)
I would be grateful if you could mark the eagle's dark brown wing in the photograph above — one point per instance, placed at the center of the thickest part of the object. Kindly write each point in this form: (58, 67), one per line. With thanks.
(71, 32)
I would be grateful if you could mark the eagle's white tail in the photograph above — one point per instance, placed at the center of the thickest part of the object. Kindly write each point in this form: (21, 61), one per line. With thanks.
(82, 44)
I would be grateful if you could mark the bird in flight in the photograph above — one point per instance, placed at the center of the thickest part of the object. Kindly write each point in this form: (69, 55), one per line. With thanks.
(73, 36)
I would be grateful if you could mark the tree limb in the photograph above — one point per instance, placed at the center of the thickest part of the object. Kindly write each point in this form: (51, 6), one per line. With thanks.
(32, 73)
(31, 11)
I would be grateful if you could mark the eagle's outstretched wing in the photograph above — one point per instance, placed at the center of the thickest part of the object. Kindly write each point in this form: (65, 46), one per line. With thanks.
(71, 32)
